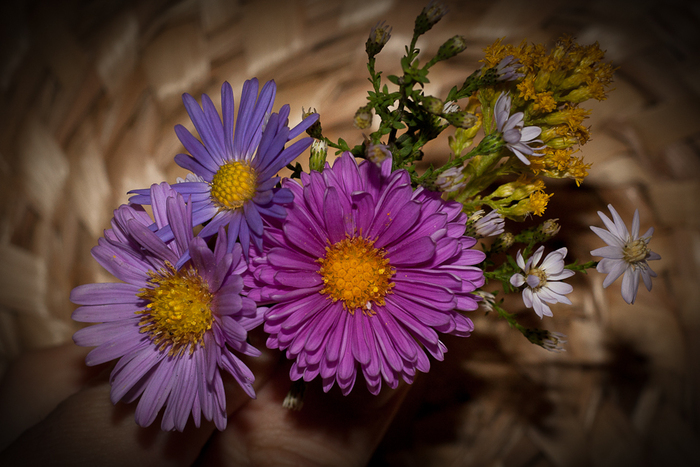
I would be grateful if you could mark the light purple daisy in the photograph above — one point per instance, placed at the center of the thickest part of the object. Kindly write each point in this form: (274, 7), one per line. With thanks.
(516, 137)
(507, 69)
(542, 282)
(173, 329)
(490, 225)
(364, 272)
(625, 254)
(236, 172)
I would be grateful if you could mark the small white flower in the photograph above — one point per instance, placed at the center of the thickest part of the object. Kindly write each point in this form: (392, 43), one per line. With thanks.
(554, 342)
(515, 135)
(450, 107)
(451, 180)
(541, 282)
(507, 69)
(491, 225)
(625, 254)
(190, 177)
(487, 300)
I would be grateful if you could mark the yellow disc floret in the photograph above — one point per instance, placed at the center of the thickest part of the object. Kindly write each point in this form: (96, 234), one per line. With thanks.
(179, 309)
(233, 184)
(357, 273)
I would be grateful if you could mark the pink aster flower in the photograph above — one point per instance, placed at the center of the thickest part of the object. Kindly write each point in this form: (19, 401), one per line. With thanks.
(236, 171)
(542, 282)
(625, 254)
(364, 272)
(173, 328)
(517, 138)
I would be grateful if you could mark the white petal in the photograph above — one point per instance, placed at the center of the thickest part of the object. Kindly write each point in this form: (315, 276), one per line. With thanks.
(530, 132)
(647, 279)
(608, 237)
(617, 269)
(619, 223)
(540, 308)
(561, 288)
(527, 297)
(516, 280)
(533, 281)
(537, 256)
(519, 155)
(519, 259)
(612, 252)
(630, 284)
(635, 225)
(566, 273)
(648, 233)
(553, 263)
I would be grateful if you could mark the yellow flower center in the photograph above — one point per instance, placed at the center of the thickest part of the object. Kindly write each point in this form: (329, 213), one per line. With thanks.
(356, 273)
(233, 184)
(636, 251)
(179, 309)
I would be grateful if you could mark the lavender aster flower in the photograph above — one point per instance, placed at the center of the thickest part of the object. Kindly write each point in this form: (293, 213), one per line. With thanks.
(516, 137)
(364, 272)
(173, 329)
(450, 180)
(507, 69)
(625, 254)
(490, 225)
(237, 170)
(541, 281)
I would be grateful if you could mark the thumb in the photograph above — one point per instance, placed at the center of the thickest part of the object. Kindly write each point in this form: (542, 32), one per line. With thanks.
(331, 429)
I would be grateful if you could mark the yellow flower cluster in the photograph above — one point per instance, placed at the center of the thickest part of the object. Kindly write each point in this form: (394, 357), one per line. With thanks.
(560, 163)
(520, 198)
(553, 85)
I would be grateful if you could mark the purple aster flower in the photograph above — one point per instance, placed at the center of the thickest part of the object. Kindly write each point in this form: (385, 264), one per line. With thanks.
(173, 329)
(516, 137)
(625, 254)
(541, 282)
(364, 272)
(236, 170)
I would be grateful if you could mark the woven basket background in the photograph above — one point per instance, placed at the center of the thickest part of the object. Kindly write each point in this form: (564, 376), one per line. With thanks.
(90, 92)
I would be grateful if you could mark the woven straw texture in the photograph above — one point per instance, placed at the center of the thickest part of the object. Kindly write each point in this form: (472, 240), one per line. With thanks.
(90, 92)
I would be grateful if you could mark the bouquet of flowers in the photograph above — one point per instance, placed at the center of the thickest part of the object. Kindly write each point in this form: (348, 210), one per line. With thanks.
(355, 267)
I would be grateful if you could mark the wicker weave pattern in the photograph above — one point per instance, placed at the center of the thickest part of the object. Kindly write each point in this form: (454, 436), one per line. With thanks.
(90, 95)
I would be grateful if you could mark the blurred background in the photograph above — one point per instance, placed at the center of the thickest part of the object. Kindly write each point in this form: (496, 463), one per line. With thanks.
(90, 92)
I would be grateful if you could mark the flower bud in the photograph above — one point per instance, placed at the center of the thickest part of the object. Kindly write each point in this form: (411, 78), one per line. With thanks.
(431, 14)
(461, 119)
(452, 47)
(315, 129)
(319, 152)
(432, 104)
(363, 117)
(378, 37)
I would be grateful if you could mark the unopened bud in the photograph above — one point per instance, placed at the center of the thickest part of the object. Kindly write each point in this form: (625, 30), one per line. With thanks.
(550, 227)
(315, 129)
(452, 47)
(319, 152)
(378, 37)
(432, 104)
(461, 119)
(431, 14)
(363, 118)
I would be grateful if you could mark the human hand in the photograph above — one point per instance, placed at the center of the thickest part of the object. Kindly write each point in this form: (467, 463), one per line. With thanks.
(63, 412)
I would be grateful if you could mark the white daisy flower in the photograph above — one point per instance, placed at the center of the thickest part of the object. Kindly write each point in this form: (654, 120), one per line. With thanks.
(625, 254)
(541, 282)
(516, 136)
